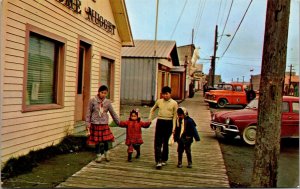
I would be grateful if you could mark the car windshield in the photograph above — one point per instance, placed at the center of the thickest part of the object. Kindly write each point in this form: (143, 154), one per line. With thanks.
(253, 104)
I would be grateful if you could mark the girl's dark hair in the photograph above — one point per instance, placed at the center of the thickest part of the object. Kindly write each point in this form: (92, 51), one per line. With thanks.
(134, 112)
(103, 88)
(180, 111)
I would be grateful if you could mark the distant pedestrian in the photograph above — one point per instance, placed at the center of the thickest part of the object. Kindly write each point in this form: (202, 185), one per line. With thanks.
(296, 92)
(97, 123)
(166, 120)
(134, 133)
(205, 88)
(184, 133)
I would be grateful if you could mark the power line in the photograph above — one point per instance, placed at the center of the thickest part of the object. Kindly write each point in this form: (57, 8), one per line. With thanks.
(226, 20)
(178, 19)
(200, 13)
(237, 29)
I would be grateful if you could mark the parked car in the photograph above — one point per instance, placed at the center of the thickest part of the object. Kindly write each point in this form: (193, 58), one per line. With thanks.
(229, 93)
(243, 122)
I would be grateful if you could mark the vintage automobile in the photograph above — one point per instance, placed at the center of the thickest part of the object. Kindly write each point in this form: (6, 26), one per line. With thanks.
(229, 93)
(230, 124)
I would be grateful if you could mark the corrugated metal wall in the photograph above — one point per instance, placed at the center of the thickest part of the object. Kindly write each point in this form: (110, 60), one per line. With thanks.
(137, 79)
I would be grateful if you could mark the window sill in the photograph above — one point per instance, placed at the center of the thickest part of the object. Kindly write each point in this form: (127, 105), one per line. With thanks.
(32, 108)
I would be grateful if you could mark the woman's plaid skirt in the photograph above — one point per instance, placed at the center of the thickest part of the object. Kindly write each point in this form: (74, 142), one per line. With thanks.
(100, 133)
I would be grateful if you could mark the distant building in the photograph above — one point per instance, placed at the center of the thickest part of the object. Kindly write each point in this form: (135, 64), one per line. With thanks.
(289, 82)
(144, 74)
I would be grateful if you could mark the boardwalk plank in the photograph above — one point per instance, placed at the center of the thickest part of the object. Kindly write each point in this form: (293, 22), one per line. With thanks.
(208, 164)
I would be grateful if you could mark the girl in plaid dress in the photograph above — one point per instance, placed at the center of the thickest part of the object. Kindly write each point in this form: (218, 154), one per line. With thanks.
(99, 133)
(134, 133)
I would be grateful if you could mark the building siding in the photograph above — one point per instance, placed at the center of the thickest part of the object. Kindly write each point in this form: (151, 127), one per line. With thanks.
(137, 78)
(22, 132)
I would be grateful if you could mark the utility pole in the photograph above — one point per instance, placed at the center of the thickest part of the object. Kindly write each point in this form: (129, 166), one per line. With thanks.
(267, 143)
(213, 58)
(290, 79)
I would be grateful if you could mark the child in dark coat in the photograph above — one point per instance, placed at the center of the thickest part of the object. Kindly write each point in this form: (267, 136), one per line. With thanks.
(184, 133)
(134, 133)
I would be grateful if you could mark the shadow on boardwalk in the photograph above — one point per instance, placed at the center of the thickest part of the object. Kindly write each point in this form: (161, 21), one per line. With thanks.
(208, 164)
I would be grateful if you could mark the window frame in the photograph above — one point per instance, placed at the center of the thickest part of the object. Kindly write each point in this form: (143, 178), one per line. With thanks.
(112, 74)
(59, 73)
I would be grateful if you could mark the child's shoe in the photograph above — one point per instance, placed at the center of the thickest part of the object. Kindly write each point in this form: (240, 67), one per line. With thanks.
(158, 165)
(129, 157)
(98, 158)
(179, 165)
(106, 155)
(189, 165)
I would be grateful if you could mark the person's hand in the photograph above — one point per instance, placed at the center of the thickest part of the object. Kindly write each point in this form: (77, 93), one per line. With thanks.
(88, 126)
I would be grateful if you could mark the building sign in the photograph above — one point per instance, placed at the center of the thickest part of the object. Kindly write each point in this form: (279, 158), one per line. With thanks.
(97, 19)
(73, 5)
(92, 15)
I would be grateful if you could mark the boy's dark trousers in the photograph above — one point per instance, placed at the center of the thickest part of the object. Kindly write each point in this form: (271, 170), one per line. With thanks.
(184, 145)
(163, 132)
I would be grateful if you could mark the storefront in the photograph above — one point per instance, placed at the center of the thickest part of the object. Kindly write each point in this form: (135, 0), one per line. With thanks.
(55, 54)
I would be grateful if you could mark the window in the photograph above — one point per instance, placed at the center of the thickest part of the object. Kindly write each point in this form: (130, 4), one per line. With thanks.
(239, 88)
(295, 106)
(285, 107)
(44, 73)
(107, 75)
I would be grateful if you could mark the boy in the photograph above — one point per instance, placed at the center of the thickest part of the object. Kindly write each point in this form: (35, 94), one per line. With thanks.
(166, 120)
(184, 133)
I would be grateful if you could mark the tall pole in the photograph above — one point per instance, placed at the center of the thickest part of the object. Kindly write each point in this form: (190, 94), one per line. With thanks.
(213, 58)
(290, 79)
(156, 23)
(154, 88)
(268, 129)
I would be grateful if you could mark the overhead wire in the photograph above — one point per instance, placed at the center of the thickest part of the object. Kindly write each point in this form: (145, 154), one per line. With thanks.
(219, 10)
(179, 19)
(197, 26)
(226, 21)
(237, 29)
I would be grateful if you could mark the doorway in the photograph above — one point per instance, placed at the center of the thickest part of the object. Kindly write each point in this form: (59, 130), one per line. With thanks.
(83, 81)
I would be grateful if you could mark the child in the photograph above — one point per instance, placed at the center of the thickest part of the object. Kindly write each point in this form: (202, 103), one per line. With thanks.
(134, 133)
(97, 123)
(164, 126)
(184, 133)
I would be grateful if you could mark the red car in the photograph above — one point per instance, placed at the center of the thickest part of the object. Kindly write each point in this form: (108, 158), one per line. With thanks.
(243, 122)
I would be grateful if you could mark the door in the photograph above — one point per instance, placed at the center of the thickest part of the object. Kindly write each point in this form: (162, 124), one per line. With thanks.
(176, 87)
(290, 119)
(83, 82)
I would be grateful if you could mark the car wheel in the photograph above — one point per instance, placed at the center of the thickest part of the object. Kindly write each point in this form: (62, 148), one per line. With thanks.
(249, 135)
(222, 102)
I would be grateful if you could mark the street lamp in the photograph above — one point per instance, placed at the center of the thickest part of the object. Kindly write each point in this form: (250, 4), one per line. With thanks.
(213, 58)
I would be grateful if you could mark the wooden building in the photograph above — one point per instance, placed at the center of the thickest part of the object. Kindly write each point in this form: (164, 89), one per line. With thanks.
(54, 56)
(144, 74)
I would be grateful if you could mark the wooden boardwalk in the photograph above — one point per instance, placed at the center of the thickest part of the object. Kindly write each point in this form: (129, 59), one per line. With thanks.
(208, 164)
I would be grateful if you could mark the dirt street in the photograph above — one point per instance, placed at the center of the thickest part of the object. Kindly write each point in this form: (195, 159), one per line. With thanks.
(239, 157)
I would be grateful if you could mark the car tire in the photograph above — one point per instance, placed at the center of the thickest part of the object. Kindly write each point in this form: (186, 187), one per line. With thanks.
(249, 135)
(222, 103)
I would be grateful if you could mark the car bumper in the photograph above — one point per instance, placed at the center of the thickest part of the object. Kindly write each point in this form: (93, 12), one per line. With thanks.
(224, 128)
(210, 101)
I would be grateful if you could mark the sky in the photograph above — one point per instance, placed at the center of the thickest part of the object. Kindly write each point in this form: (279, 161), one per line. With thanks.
(178, 18)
